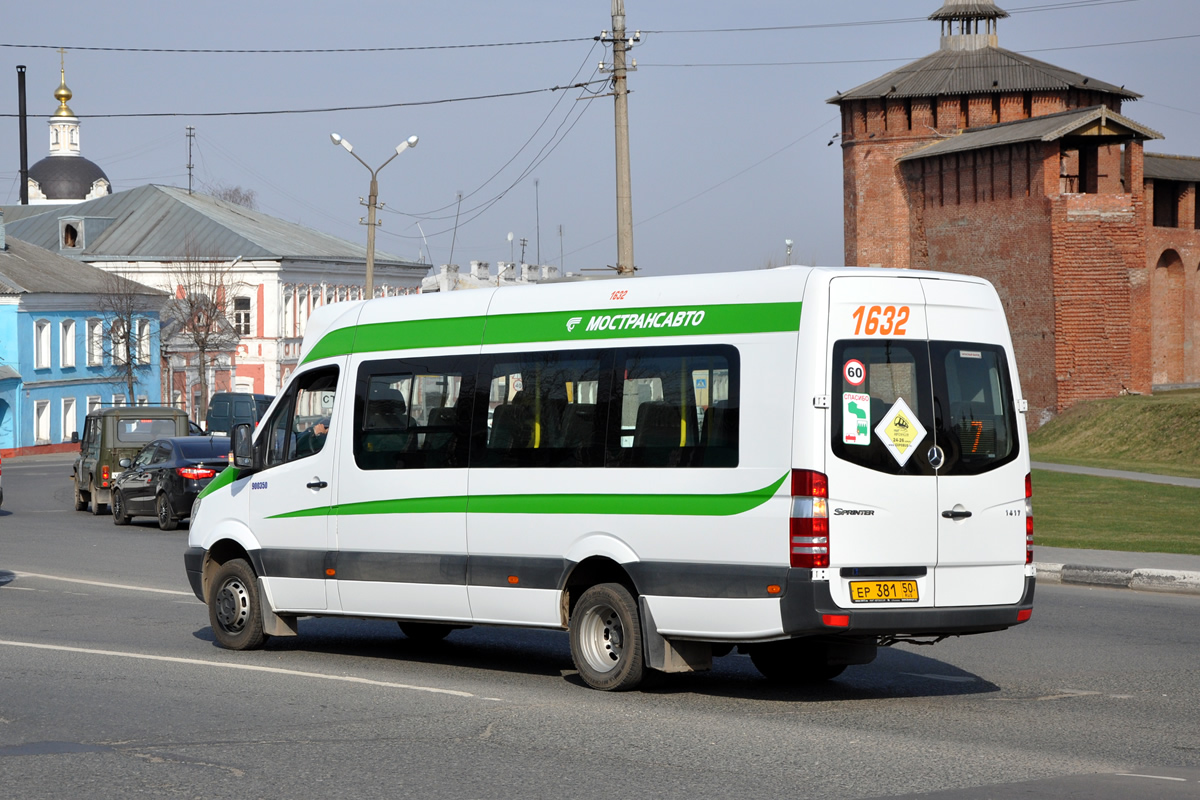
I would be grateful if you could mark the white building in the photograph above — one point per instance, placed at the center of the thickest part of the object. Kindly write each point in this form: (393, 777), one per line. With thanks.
(280, 271)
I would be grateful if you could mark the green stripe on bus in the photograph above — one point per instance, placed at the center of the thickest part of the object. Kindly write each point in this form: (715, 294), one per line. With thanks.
(683, 505)
(223, 479)
(559, 326)
(407, 335)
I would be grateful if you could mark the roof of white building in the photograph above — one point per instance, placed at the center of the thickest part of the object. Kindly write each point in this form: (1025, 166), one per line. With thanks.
(165, 223)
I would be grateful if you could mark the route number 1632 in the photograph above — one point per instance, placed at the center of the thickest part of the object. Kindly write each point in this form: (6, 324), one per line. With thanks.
(880, 320)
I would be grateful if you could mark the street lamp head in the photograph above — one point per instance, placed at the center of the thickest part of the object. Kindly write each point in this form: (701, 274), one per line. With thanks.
(409, 142)
(788, 242)
(339, 140)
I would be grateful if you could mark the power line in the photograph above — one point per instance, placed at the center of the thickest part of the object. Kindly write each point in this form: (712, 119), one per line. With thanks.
(377, 107)
(879, 60)
(715, 186)
(427, 215)
(310, 50)
(1072, 4)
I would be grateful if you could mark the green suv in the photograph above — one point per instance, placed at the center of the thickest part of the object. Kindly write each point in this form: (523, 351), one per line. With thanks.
(111, 434)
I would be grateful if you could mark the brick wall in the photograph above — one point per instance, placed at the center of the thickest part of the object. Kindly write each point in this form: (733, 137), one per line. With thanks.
(1098, 258)
(1007, 240)
(1173, 267)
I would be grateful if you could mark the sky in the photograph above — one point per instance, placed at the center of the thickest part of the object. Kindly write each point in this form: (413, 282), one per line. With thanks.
(730, 130)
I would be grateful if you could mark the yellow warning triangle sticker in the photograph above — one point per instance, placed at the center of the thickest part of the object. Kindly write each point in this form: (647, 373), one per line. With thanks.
(900, 431)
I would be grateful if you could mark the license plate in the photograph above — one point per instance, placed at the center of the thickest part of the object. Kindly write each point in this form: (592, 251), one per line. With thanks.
(883, 591)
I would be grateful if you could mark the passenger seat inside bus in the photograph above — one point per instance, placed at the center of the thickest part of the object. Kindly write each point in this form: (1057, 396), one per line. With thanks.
(659, 437)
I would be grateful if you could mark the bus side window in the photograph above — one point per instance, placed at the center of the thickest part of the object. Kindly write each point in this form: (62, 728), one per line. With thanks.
(413, 414)
(679, 407)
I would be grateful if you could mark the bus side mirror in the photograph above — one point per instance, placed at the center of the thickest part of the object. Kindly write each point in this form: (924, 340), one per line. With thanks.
(243, 445)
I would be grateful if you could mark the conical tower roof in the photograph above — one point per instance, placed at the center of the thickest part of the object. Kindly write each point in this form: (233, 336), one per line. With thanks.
(968, 9)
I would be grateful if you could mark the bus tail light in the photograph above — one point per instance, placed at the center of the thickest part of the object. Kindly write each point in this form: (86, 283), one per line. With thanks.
(1029, 519)
(810, 520)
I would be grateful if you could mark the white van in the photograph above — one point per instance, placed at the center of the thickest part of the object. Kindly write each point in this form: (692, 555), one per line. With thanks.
(804, 463)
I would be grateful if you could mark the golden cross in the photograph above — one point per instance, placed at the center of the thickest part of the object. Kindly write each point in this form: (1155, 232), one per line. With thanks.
(61, 60)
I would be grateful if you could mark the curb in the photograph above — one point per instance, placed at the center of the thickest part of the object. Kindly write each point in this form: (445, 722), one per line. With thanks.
(1143, 579)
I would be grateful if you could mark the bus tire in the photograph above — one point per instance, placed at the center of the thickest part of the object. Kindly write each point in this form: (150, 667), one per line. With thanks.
(426, 632)
(606, 638)
(794, 662)
(235, 608)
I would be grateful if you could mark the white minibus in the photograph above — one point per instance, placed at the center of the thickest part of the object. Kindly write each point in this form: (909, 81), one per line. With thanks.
(802, 463)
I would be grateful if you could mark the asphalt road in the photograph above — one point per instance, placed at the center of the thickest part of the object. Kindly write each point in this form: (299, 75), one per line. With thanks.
(110, 685)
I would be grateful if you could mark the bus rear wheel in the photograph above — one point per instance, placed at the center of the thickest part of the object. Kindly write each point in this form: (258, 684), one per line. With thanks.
(427, 632)
(606, 638)
(794, 662)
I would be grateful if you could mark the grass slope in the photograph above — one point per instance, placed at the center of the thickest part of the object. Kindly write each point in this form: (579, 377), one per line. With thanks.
(1158, 433)
(1113, 514)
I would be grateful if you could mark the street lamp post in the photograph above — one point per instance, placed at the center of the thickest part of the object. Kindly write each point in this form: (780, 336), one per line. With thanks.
(372, 199)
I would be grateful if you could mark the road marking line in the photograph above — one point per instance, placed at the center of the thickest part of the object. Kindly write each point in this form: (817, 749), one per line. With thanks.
(99, 583)
(245, 667)
(1152, 777)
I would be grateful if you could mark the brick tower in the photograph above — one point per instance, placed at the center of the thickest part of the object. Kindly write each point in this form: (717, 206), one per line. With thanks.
(980, 160)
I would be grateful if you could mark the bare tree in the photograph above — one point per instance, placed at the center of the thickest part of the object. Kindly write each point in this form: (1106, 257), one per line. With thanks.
(247, 198)
(124, 339)
(199, 315)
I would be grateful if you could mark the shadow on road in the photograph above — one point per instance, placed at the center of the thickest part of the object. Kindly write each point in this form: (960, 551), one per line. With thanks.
(898, 672)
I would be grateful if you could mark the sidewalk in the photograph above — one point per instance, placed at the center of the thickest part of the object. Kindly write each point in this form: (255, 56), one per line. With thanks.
(1154, 572)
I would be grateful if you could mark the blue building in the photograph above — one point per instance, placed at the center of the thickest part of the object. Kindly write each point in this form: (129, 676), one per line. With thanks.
(63, 344)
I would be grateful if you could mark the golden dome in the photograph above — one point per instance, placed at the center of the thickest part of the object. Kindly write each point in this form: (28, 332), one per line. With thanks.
(62, 94)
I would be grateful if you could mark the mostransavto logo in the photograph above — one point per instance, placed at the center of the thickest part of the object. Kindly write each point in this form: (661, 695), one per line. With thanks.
(643, 321)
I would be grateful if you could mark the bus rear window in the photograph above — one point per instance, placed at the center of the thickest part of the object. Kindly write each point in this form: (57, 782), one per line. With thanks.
(978, 425)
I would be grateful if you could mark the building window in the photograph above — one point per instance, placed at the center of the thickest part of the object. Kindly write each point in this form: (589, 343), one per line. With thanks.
(1166, 204)
(142, 341)
(69, 423)
(241, 315)
(118, 400)
(66, 344)
(143, 400)
(95, 343)
(93, 403)
(71, 238)
(120, 341)
(41, 421)
(41, 344)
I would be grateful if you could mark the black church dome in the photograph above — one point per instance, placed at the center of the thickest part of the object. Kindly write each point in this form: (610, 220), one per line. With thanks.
(67, 177)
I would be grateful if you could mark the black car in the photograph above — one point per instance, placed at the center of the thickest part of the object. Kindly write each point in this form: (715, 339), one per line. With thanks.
(165, 477)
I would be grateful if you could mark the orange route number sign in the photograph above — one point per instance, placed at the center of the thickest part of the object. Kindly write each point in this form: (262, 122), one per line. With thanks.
(880, 320)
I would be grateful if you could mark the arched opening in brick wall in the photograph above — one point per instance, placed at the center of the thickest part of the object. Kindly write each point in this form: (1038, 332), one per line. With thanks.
(1167, 306)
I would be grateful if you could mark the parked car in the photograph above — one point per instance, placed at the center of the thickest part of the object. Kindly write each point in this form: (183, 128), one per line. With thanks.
(165, 477)
(110, 435)
(227, 409)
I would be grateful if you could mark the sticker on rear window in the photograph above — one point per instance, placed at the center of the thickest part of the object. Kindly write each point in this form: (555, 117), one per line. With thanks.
(900, 431)
(856, 418)
(970, 354)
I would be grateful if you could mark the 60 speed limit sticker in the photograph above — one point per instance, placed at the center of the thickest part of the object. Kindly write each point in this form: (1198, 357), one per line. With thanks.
(854, 372)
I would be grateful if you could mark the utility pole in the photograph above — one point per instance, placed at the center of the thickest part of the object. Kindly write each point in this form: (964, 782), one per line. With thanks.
(191, 135)
(622, 45)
